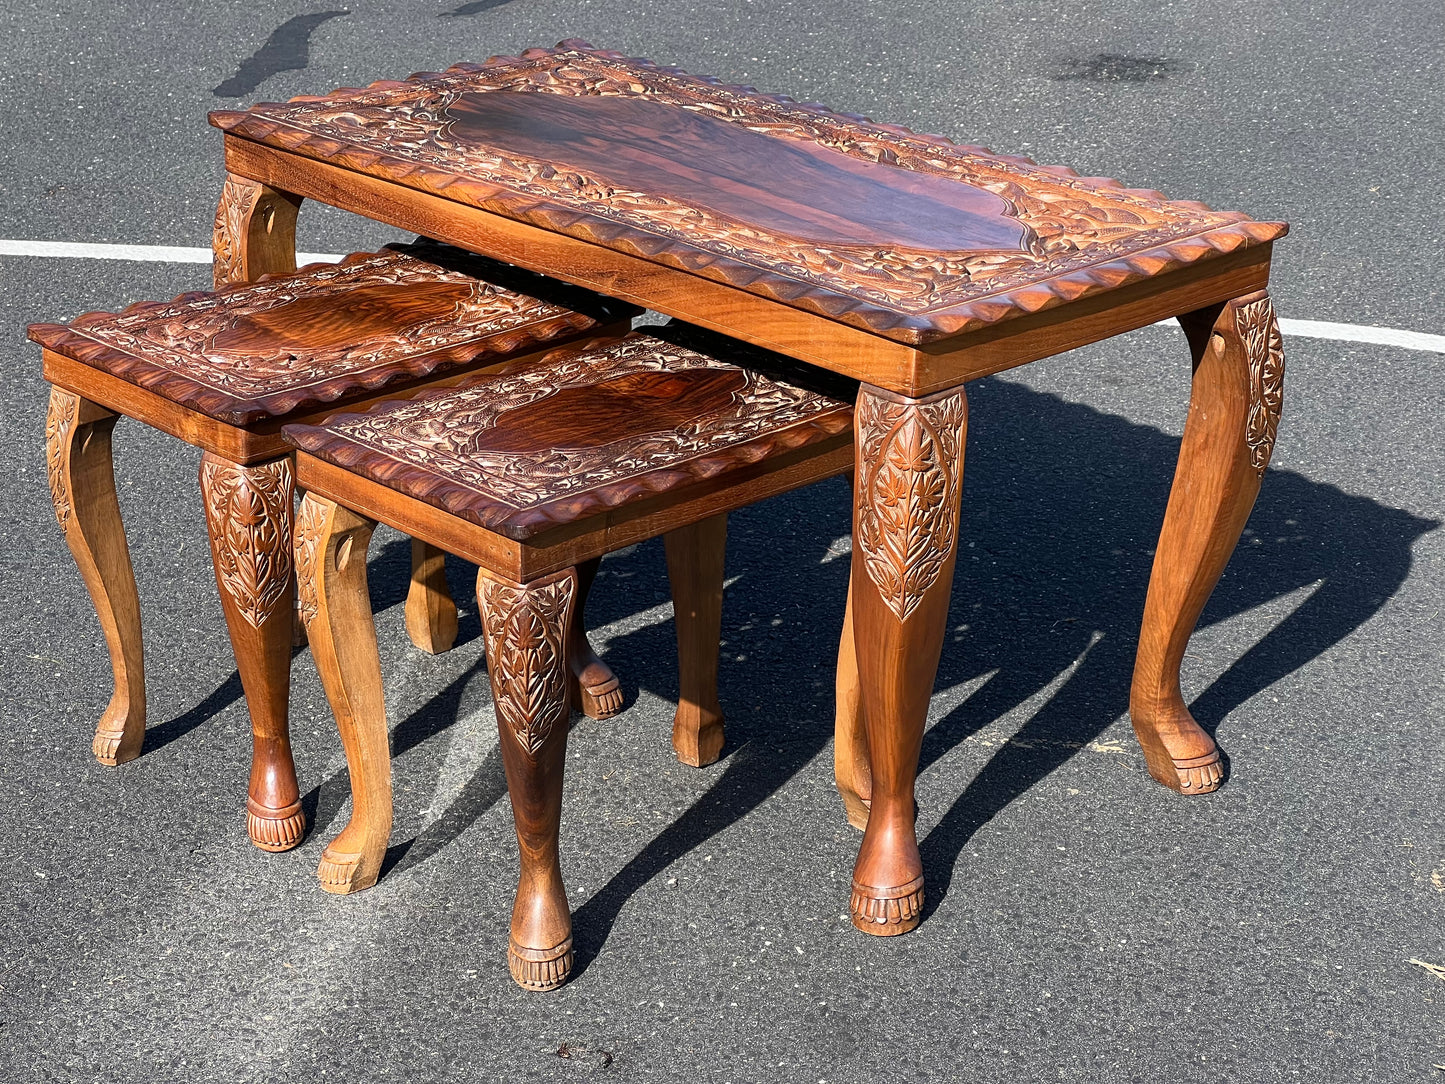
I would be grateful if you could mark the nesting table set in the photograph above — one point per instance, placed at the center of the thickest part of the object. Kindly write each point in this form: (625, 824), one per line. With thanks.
(833, 284)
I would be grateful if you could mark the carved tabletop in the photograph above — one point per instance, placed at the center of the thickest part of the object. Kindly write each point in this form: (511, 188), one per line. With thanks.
(588, 428)
(908, 237)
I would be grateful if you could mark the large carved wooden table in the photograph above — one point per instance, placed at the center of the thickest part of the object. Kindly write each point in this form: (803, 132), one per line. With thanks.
(905, 261)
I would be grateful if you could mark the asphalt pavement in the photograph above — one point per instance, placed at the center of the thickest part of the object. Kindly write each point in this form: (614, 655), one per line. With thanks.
(1084, 924)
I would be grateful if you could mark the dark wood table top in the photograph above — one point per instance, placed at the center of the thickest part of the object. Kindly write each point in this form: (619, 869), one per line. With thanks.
(909, 238)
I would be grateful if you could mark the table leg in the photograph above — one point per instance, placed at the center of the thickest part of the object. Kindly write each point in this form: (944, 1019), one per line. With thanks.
(526, 632)
(1234, 411)
(431, 615)
(255, 232)
(82, 487)
(851, 770)
(249, 517)
(593, 687)
(331, 544)
(905, 542)
(695, 562)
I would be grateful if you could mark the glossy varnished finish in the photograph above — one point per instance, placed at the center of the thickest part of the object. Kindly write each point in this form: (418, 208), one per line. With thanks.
(693, 437)
(223, 370)
(909, 237)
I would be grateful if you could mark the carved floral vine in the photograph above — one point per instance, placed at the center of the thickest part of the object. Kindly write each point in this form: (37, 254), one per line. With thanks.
(1264, 347)
(238, 199)
(248, 510)
(310, 523)
(910, 456)
(59, 423)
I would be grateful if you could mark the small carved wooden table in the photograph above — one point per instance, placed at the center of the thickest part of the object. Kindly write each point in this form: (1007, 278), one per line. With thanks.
(904, 260)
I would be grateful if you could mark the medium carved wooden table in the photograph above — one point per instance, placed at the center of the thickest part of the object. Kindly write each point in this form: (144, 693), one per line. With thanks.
(905, 261)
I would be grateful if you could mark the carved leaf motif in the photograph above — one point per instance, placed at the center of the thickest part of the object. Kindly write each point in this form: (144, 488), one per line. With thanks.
(310, 522)
(910, 458)
(525, 628)
(237, 199)
(59, 422)
(248, 510)
(1259, 330)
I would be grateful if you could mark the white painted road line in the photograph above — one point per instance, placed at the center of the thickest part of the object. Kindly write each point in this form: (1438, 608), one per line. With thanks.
(145, 253)
(1304, 329)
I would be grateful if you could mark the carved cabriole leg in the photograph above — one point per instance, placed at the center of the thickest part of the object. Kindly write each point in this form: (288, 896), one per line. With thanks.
(526, 633)
(249, 515)
(593, 687)
(1233, 414)
(431, 615)
(851, 770)
(695, 556)
(255, 235)
(331, 544)
(255, 232)
(905, 542)
(82, 487)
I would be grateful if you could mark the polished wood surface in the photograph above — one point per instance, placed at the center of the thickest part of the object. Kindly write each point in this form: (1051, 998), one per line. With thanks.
(293, 344)
(793, 189)
(1234, 412)
(82, 488)
(592, 428)
(628, 160)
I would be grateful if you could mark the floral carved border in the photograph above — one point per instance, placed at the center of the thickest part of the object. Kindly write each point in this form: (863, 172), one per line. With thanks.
(1073, 223)
(910, 462)
(248, 511)
(525, 627)
(1259, 331)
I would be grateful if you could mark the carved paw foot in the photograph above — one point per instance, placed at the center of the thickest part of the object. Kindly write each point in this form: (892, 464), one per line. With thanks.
(275, 829)
(540, 969)
(595, 690)
(111, 748)
(342, 874)
(1191, 775)
(886, 912)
